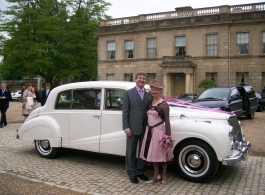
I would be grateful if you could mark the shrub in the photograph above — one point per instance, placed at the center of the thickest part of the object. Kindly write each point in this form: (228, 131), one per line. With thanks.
(206, 83)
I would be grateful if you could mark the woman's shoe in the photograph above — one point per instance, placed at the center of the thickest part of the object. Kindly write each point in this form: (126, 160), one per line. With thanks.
(153, 181)
(164, 182)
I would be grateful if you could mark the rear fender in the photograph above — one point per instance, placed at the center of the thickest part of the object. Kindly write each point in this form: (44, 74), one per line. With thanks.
(40, 128)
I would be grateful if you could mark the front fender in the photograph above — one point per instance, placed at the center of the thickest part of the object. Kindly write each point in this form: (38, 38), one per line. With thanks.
(40, 128)
(213, 134)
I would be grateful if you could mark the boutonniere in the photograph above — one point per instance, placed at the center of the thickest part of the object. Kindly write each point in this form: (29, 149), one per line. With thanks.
(147, 91)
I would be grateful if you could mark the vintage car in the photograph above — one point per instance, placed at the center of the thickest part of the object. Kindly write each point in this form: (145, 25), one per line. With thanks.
(73, 118)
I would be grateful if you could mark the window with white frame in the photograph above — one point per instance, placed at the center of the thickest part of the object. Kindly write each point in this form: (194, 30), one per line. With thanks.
(128, 77)
(150, 77)
(110, 77)
(242, 43)
(128, 49)
(111, 50)
(180, 44)
(242, 78)
(263, 42)
(151, 47)
(212, 44)
(212, 76)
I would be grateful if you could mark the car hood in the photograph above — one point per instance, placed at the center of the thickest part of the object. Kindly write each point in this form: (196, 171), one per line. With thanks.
(211, 104)
(180, 113)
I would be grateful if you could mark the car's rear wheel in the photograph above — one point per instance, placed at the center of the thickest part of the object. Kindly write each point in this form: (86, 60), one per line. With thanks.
(18, 99)
(45, 150)
(251, 115)
(259, 108)
(196, 161)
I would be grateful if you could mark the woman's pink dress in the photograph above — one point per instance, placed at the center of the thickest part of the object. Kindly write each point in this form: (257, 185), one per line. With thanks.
(155, 152)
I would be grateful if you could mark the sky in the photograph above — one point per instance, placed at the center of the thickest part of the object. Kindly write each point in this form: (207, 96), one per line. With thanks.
(126, 8)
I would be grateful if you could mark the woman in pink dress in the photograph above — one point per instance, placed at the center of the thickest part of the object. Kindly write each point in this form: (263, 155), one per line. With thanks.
(27, 93)
(158, 125)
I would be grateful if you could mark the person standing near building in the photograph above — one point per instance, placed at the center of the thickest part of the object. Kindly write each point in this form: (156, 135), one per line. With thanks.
(5, 97)
(45, 93)
(135, 104)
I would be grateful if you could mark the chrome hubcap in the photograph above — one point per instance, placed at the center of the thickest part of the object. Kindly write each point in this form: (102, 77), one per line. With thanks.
(44, 146)
(194, 160)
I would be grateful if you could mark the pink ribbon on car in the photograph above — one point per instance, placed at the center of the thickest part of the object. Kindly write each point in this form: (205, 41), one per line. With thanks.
(180, 103)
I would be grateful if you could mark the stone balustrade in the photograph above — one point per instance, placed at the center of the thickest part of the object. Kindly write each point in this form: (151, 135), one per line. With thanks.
(181, 13)
(175, 59)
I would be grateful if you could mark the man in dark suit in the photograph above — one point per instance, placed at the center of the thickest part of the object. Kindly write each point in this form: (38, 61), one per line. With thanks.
(45, 93)
(135, 104)
(5, 97)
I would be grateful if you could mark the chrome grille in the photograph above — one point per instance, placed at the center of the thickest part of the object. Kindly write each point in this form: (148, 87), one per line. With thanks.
(237, 133)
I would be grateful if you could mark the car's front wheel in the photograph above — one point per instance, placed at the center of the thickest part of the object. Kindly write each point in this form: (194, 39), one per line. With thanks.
(45, 150)
(18, 99)
(195, 160)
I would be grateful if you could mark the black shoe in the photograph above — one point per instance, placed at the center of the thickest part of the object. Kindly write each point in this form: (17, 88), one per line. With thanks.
(1, 125)
(142, 177)
(5, 124)
(134, 179)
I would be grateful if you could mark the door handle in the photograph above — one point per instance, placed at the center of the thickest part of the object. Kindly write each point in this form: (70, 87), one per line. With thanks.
(96, 116)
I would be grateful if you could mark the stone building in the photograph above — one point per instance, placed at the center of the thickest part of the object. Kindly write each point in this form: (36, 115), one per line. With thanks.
(183, 47)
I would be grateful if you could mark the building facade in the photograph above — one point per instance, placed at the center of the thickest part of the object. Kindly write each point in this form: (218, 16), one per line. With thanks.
(183, 47)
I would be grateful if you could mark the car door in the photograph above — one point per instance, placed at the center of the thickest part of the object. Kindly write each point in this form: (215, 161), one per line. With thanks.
(235, 102)
(61, 114)
(84, 119)
(251, 99)
(113, 139)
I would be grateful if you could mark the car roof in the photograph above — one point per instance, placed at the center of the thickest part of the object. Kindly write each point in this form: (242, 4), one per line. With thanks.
(98, 84)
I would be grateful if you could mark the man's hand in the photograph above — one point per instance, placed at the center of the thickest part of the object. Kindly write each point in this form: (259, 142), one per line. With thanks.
(128, 132)
(3, 97)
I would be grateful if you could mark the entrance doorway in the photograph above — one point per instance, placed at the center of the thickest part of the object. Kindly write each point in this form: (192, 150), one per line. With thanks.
(177, 84)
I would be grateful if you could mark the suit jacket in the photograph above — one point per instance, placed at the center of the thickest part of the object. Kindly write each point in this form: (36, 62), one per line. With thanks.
(44, 97)
(5, 102)
(134, 110)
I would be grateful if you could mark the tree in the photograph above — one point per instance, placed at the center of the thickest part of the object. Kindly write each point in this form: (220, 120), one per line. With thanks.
(34, 29)
(47, 40)
(80, 46)
(206, 83)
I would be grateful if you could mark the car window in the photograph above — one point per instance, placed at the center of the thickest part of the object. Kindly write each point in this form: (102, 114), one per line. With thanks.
(220, 93)
(114, 99)
(235, 94)
(258, 95)
(64, 100)
(86, 99)
(81, 99)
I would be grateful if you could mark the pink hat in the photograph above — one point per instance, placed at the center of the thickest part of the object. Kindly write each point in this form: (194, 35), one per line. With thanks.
(155, 83)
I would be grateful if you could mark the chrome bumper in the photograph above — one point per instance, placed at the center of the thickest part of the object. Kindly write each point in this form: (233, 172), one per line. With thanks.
(243, 155)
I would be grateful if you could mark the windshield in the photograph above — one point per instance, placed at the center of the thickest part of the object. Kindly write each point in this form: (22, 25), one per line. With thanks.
(215, 93)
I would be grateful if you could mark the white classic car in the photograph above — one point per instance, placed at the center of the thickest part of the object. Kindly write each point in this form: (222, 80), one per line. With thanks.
(87, 116)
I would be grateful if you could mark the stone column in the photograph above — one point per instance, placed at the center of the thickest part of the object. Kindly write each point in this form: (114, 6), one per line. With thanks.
(191, 83)
(165, 79)
(187, 83)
